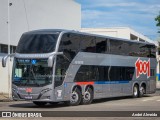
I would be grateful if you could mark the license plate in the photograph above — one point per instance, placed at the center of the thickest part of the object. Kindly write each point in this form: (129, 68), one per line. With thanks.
(28, 97)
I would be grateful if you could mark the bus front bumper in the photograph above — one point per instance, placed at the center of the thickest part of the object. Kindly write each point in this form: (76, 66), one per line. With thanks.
(44, 95)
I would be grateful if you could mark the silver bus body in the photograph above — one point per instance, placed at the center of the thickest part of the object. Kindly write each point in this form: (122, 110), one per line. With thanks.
(101, 88)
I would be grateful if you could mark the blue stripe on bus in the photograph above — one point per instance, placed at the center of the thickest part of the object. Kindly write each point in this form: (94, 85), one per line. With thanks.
(111, 82)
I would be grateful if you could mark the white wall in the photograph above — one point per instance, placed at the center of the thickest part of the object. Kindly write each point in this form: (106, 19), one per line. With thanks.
(41, 14)
(4, 77)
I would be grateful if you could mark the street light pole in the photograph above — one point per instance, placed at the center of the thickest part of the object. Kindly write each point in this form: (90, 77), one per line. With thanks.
(9, 40)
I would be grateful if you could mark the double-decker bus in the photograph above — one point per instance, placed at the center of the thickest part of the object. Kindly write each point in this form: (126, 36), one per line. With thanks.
(51, 66)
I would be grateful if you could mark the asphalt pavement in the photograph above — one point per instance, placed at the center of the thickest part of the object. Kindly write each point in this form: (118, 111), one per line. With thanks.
(114, 106)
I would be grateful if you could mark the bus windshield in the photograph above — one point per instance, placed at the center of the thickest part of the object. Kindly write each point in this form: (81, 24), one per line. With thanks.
(37, 43)
(31, 72)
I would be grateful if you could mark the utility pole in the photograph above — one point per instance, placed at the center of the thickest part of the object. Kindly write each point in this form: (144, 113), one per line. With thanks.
(9, 40)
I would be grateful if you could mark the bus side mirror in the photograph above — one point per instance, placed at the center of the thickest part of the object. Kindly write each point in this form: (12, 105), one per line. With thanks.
(5, 58)
(50, 61)
(4, 61)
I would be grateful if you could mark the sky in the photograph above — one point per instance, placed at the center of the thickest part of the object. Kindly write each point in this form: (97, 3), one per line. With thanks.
(136, 14)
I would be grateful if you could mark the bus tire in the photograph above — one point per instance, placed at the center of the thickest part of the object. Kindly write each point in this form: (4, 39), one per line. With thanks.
(39, 103)
(87, 97)
(142, 91)
(135, 91)
(75, 97)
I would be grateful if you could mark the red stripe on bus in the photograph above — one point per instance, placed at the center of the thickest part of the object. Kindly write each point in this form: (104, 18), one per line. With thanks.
(84, 83)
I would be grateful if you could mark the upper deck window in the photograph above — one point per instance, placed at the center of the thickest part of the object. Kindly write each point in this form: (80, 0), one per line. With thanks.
(37, 43)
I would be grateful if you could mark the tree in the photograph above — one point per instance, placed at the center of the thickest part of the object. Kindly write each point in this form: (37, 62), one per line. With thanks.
(158, 21)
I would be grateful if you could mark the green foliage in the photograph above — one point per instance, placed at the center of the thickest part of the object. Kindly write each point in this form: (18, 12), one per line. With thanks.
(158, 21)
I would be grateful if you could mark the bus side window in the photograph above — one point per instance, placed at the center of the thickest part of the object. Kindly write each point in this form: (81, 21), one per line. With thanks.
(86, 73)
(101, 45)
(69, 45)
(102, 73)
(88, 44)
(129, 73)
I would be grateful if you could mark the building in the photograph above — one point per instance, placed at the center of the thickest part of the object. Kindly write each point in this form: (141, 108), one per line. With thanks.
(26, 15)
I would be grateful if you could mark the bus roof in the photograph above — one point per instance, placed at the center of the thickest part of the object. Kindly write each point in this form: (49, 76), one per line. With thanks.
(83, 33)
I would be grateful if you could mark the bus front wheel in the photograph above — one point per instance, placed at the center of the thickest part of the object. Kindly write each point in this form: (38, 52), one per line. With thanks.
(88, 96)
(75, 97)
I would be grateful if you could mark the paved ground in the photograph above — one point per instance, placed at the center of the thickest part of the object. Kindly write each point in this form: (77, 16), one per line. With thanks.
(147, 103)
(113, 104)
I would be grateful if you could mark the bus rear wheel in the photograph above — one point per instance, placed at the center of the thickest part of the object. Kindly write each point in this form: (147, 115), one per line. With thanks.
(39, 103)
(142, 91)
(88, 96)
(75, 97)
(135, 91)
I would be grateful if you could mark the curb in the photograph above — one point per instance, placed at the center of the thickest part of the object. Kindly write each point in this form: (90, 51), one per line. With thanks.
(4, 98)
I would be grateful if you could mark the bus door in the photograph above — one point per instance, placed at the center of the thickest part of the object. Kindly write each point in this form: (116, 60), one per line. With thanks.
(60, 72)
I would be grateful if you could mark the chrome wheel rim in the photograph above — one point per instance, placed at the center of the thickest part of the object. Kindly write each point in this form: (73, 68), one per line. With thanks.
(74, 97)
(135, 91)
(142, 90)
(87, 96)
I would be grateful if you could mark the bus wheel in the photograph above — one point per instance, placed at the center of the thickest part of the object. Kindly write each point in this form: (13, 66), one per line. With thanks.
(75, 97)
(142, 91)
(135, 91)
(40, 103)
(88, 96)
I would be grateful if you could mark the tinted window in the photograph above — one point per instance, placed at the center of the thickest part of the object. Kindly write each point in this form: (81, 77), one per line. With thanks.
(102, 73)
(121, 73)
(70, 45)
(4, 48)
(101, 45)
(88, 44)
(73, 43)
(120, 47)
(143, 50)
(129, 72)
(116, 47)
(115, 73)
(138, 49)
(85, 73)
(37, 43)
